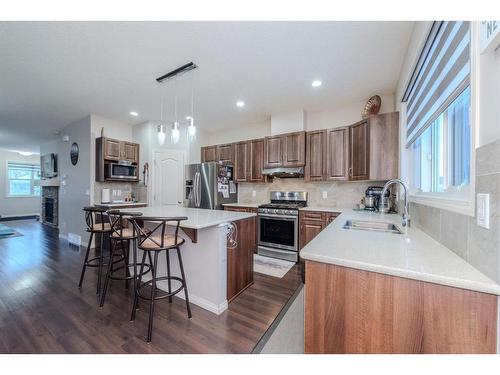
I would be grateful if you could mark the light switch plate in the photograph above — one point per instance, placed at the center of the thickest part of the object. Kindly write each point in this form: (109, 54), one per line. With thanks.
(483, 210)
(254, 193)
(325, 195)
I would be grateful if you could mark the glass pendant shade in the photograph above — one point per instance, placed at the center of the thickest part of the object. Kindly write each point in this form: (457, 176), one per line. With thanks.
(175, 135)
(191, 128)
(161, 135)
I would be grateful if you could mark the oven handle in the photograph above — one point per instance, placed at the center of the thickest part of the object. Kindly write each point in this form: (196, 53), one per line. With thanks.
(272, 216)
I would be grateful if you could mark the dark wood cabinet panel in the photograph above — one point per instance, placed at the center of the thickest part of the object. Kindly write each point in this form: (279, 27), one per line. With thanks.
(359, 151)
(208, 154)
(225, 153)
(131, 152)
(112, 149)
(308, 230)
(242, 161)
(316, 158)
(255, 219)
(256, 152)
(240, 259)
(384, 146)
(354, 311)
(337, 159)
(273, 151)
(294, 151)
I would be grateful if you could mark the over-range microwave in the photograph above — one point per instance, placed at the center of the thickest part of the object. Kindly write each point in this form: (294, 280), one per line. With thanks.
(122, 170)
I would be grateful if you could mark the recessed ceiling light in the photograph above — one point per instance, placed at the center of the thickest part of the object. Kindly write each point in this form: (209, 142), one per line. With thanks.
(240, 103)
(134, 113)
(316, 83)
(25, 153)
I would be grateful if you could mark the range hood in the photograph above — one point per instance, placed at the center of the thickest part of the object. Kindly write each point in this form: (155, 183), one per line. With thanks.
(283, 172)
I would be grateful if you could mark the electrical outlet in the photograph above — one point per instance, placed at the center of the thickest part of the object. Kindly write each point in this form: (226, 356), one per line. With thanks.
(324, 195)
(483, 210)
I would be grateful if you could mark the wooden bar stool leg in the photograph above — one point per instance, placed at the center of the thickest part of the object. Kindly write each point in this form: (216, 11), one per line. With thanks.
(152, 301)
(138, 287)
(86, 260)
(184, 282)
(168, 274)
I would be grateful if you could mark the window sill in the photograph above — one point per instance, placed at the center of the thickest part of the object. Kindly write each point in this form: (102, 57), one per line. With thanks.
(460, 206)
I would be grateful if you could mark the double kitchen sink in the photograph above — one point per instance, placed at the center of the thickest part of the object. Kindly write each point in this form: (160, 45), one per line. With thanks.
(374, 226)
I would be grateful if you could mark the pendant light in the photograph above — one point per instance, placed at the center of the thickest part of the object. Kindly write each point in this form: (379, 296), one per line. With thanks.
(191, 126)
(161, 128)
(175, 133)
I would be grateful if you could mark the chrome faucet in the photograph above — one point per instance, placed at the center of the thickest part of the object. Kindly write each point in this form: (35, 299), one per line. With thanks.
(406, 215)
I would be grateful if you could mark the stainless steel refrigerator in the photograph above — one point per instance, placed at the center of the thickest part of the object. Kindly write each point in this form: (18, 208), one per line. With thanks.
(209, 185)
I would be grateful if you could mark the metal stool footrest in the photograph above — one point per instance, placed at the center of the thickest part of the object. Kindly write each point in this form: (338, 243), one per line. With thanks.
(162, 296)
(147, 268)
(97, 259)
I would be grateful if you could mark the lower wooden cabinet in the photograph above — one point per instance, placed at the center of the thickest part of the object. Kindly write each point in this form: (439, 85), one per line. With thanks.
(240, 259)
(355, 311)
(255, 219)
(311, 223)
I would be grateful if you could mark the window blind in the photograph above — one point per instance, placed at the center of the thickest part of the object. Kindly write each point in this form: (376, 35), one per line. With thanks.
(23, 167)
(441, 74)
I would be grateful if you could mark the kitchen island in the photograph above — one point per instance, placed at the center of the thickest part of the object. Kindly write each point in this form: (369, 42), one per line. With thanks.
(380, 292)
(217, 269)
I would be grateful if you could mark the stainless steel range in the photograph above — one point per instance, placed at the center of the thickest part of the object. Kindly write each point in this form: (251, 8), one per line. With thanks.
(279, 225)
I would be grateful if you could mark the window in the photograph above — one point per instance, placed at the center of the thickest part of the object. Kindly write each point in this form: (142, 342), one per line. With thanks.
(438, 119)
(22, 179)
(442, 154)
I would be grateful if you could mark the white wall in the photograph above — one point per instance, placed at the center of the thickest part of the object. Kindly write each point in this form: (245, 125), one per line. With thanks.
(344, 115)
(329, 118)
(489, 106)
(16, 206)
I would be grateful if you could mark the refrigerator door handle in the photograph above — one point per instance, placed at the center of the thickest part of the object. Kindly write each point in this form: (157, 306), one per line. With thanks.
(197, 191)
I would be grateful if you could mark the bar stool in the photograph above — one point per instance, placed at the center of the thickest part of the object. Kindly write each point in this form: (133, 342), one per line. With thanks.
(125, 237)
(97, 223)
(155, 242)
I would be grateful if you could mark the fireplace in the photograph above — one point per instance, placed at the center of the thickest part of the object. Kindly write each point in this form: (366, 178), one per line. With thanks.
(50, 203)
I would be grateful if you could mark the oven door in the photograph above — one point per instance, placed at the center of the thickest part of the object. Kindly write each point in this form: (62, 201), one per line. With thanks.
(278, 231)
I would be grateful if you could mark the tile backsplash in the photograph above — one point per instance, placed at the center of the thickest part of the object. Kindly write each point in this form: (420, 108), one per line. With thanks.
(338, 194)
(478, 246)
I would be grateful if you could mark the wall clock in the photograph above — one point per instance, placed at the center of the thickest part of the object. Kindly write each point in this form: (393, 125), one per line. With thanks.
(74, 153)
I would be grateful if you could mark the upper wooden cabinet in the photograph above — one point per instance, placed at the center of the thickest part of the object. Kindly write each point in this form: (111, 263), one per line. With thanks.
(225, 153)
(316, 160)
(337, 163)
(366, 150)
(208, 153)
(285, 150)
(256, 155)
(115, 150)
(359, 156)
(242, 162)
(384, 146)
(294, 154)
(273, 151)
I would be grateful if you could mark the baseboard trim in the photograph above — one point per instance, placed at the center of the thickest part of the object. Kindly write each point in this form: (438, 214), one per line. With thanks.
(20, 217)
(198, 301)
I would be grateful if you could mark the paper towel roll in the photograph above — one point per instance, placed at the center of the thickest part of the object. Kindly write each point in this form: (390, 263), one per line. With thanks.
(105, 197)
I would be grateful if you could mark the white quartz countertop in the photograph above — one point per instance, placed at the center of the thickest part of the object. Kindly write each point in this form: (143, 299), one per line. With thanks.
(116, 204)
(412, 255)
(323, 209)
(249, 205)
(198, 218)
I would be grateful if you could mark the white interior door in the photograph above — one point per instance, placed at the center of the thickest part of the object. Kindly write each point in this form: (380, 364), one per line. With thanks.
(168, 177)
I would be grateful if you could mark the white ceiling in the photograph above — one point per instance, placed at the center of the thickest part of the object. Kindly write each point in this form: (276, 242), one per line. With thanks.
(52, 74)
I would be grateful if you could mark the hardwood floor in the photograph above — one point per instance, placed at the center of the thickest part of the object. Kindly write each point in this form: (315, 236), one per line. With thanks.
(43, 311)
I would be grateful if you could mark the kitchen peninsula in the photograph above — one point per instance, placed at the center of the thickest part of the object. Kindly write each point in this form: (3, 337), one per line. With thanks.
(217, 269)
